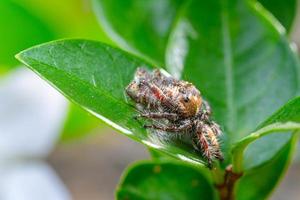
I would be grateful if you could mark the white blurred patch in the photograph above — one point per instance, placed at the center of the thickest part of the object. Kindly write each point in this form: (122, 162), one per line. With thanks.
(31, 181)
(31, 115)
(177, 51)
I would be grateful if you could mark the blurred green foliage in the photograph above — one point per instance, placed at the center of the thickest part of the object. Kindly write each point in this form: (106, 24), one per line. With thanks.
(30, 22)
(20, 29)
(69, 18)
(79, 124)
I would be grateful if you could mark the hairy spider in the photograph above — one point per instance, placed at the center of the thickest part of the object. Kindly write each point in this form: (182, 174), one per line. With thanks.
(178, 107)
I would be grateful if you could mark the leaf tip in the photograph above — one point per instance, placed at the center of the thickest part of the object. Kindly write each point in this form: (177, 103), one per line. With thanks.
(20, 56)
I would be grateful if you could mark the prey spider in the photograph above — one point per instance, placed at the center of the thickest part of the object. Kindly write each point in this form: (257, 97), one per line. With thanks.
(178, 107)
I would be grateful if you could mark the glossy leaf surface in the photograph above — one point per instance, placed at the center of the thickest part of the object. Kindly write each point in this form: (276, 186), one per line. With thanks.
(94, 75)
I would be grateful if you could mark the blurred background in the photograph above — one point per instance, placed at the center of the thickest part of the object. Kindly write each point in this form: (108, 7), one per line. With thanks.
(45, 139)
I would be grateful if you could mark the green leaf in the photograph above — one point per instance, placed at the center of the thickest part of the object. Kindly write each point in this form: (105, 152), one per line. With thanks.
(285, 119)
(290, 112)
(142, 27)
(20, 29)
(259, 182)
(264, 149)
(284, 10)
(242, 64)
(164, 181)
(239, 59)
(94, 76)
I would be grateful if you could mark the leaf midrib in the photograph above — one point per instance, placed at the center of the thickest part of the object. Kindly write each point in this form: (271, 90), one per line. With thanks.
(228, 64)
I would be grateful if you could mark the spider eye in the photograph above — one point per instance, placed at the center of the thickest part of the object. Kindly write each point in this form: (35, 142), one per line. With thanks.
(186, 99)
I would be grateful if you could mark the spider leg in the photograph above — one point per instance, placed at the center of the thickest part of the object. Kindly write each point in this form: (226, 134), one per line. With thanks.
(195, 144)
(173, 128)
(165, 115)
(208, 110)
(203, 143)
(205, 147)
(131, 105)
(208, 142)
(213, 141)
(216, 128)
(205, 113)
(218, 155)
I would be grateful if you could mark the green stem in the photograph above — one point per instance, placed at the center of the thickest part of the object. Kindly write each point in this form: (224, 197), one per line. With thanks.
(238, 158)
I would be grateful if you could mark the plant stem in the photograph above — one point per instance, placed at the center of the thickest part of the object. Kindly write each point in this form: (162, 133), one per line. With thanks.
(226, 189)
(237, 161)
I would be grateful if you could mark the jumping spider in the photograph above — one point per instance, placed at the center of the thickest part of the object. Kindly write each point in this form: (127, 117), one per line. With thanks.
(176, 106)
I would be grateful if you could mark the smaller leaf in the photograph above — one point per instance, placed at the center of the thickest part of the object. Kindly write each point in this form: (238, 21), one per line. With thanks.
(264, 149)
(259, 182)
(164, 181)
(285, 119)
(290, 112)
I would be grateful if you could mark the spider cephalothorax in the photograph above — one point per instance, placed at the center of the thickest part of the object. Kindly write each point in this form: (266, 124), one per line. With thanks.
(178, 107)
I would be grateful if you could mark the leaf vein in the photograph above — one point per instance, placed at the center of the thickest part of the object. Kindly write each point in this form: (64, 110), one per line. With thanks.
(228, 63)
